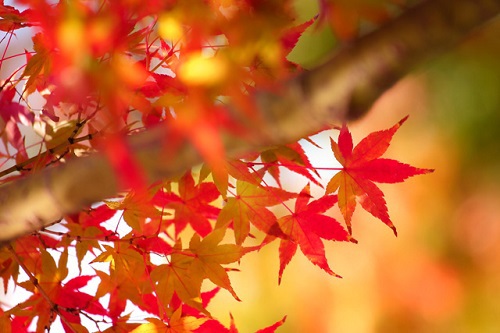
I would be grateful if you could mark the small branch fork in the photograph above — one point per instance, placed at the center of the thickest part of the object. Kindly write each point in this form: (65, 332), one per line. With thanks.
(62, 149)
(54, 307)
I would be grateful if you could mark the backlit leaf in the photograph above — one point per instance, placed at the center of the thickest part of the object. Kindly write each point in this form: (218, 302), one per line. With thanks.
(362, 167)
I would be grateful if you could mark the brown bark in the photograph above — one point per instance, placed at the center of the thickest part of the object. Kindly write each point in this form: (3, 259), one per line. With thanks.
(342, 88)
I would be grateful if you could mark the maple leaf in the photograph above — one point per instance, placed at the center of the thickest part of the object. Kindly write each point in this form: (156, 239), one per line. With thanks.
(249, 206)
(14, 324)
(236, 169)
(292, 157)
(305, 227)
(122, 326)
(11, 19)
(6, 270)
(209, 256)
(87, 225)
(127, 279)
(12, 115)
(362, 166)
(192, 205)
(292, 35)
(273, 327)
(213, 325)
(38, 66)
(139, 212)
(162, 85)
(186, 269)
(206, 297)
(69, 300)
(176, 324)
(175, 277)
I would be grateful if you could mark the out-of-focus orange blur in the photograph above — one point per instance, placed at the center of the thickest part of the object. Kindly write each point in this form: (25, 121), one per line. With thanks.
(442, 272)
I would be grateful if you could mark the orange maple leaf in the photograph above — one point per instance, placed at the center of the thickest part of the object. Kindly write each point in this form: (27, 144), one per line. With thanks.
(177, 323)
(186, 269)
(248, 206)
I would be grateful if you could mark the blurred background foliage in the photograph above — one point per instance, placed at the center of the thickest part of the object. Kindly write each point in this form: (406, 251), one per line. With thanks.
(442, 273)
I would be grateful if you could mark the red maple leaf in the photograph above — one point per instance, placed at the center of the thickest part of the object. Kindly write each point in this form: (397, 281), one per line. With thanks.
(306, 226)
(214, 326)
(94, 218)
(192, 205)
(273, 327)
(291, 156)
(177, 323)
(71, 302)
(12, 19)
(292, 35)
(87, 225)
(362, 167)
(206, 297)
(13, 114)
(14, 323)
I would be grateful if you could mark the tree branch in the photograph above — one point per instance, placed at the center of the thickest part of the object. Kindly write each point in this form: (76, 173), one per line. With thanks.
(342, 88)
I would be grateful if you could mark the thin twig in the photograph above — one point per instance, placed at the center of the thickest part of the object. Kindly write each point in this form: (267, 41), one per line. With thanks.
(54, 307)
(62, 147)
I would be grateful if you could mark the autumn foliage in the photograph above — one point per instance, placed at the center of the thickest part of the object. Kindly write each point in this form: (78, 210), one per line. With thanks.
(108, 69)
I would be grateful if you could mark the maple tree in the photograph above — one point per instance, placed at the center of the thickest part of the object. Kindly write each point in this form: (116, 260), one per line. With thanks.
(163, 133)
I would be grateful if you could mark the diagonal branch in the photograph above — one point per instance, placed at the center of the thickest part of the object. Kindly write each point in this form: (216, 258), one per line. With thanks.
(342, 88)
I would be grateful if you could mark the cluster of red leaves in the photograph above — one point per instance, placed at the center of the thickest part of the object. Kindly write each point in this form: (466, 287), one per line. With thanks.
(110, 68)
(172, 291)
